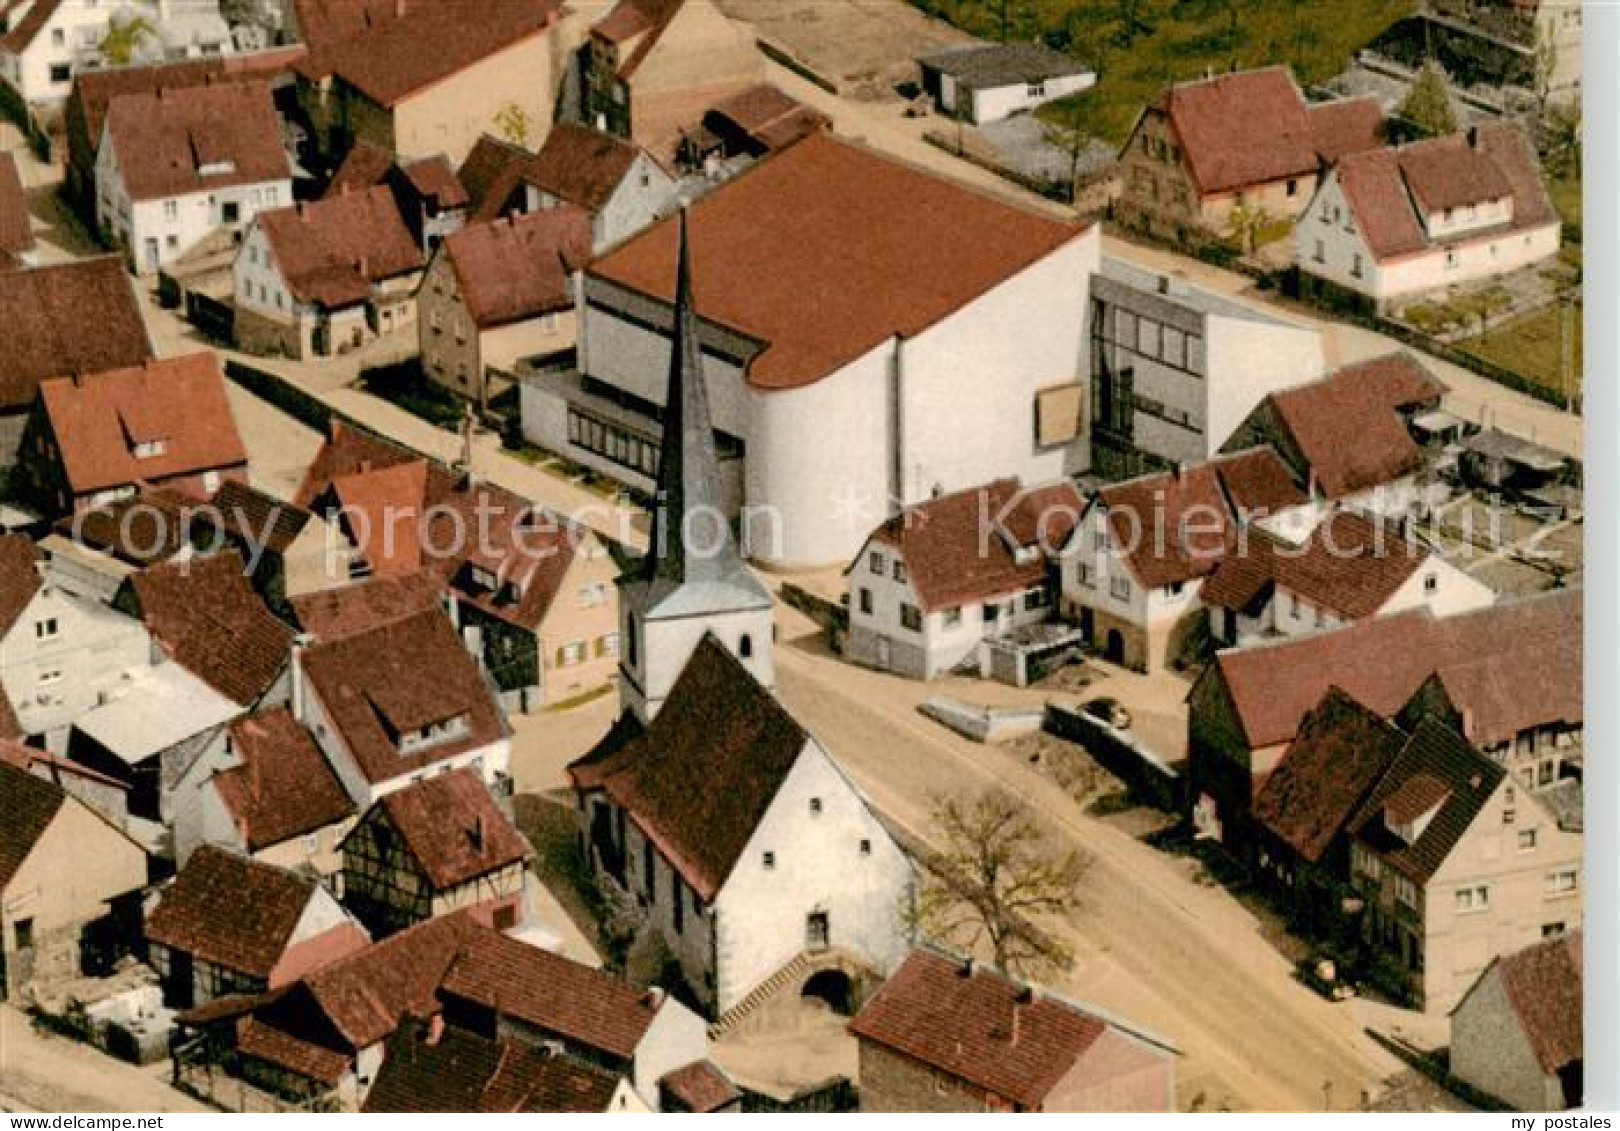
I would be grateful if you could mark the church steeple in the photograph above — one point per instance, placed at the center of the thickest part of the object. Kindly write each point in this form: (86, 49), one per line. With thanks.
(693, 580)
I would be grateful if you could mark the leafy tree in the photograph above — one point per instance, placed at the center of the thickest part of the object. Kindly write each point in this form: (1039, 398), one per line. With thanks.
(1428, 108)
(996, 874)
(513, 123)
(1563, 140)
(123, 39)
(1246, 224)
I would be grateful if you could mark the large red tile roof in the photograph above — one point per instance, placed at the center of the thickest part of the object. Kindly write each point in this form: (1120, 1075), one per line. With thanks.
(206, 615)
(1506, 668)
(454, 1070)
(178, 403)
(28, 805)
(451, 826)
(16, 230)
(978, 1025)
(330, 614)
(330, 252)
(1391, 191)
(283, 787)
(19, 578)
(700, 779)
(553, 994)
(518, 268)
(827, 249)
(581, 166)
(196, 139)
(400, 677)
(47, 335)
(1175, 527)
(950, 562)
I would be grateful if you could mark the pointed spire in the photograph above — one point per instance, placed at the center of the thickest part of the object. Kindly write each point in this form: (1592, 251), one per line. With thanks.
(691, 537)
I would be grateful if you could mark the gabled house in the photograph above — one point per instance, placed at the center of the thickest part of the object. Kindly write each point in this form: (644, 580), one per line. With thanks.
(651, 67)
(1389, 225)
(97, 438)
(1508, 677)
(945, 1034)
(435, 847)
(416, 79)
(176, 166)
(287, 549)
(61, 652)
(503, 989)
(932, 583)
(397, 703)
(36, 305)
(70, 885)
(434, 1067)
(617, 182)
(1348, 437)
(431, 198)
(497, 293)
(325, 277)
(986, 82)
(1135, 567)
(735, 837)
(1517, 1034)
(1457, 864)
(105, 795)
(39, 43)
(231, 925)
(16, 228)
(264, 789)
(988, 335)
(1248, 138)
(746, 126)
(1348, 568)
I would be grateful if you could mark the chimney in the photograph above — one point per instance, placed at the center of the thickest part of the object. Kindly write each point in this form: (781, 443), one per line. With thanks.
(399, 9)
(655, 998)
(300, 642)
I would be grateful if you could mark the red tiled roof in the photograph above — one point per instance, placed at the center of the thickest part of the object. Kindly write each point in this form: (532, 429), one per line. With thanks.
(1507, 668)
(33, 21)
(348, 450)
(519, 268)
(1543, 984)
(284, 787)
(551, 993)
(826, 249)
(491, 173)
(978, 1025)
(257, 518)
(700, 1087)
(433, 179)
(1436, 767)
(19, 578)
(47, 335)
(1350, 565)
(259, 1041)
(1389, 191)
(1341, 751)
(365, 166)
(400, 49)
(452, 827)
(397, 678)
(52, 767)
(205, 614)
(454, 1070)
(28, 805)
(231, 911)
(700, 779)
(178, 403)
(16, 230)
(1253, 127)
(771, 118)
(581, 166)
(1176, 527)
(196, 139)
(381, 510)
(331, 614)
(950, 562)
(331, 251)
(1348, 428)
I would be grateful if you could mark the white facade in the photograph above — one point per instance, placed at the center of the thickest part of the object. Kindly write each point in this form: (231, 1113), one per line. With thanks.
(646, 193)
(157, 232)
(984, 104)
(1469, 247)
(949, 408)
(42, 72)
(258, 285)
(1096, 575)
(657, 648)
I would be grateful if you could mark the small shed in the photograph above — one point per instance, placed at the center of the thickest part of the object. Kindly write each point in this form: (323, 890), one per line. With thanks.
(986, 82)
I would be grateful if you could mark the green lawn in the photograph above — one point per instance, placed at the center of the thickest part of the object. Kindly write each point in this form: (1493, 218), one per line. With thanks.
(1140, 46)
(1566, 197)
(1534, 346)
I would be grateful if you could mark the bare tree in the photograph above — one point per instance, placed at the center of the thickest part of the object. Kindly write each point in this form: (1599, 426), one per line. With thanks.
(995, 876)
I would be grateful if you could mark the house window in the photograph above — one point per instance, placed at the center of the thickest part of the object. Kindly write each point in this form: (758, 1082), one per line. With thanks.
(676, 901)
(866, 601)
(1037, 90)
(1508, 816)
(58, 37)
(230, 212)
(1293, 187)
(874, 562)
(1476, 898)
(1406, 892)
(1527, 839)
(899, 570)
(910, 617)
(1088, 578)
(1431, 584)
(1035, 599)
(47, 629)
(745, 647)
(61, 72)
(1120, 587)
(48, 678)
(953, 618)
(817, 930)
(171, 210)
(1320, 252)
(866, 847)
(768, 860)
(1451, 259)
(1355, 265)
(23, 929)
(815, 806)
(1544, 775)
(1562, 882)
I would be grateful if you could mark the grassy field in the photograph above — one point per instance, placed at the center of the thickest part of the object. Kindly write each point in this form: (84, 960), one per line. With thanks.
(1533, 345)
(1140, 46)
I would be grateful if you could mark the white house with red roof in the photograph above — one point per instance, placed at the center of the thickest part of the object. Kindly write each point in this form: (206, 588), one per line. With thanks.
(933, 583)
(1133, 570)
(1392, 224)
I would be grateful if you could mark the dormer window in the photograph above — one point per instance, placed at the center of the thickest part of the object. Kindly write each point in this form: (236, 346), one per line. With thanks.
(436, 734)
(150, 449)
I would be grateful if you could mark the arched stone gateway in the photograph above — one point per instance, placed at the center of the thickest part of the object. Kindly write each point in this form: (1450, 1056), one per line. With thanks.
(829, 976)
(833, 988)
